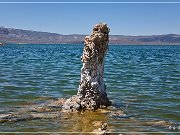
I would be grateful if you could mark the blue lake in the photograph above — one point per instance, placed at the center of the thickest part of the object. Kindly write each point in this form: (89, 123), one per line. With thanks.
(142, 80)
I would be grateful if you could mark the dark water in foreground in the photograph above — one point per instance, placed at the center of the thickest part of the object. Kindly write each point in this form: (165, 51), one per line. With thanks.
(142, 80)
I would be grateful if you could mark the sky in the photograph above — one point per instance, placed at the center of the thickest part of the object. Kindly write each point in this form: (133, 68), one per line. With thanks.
(79, 18)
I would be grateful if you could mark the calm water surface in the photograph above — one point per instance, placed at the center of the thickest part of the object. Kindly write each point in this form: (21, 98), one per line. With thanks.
(142, 80)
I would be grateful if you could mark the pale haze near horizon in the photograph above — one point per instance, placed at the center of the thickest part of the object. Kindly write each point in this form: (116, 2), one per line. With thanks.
(123, 19)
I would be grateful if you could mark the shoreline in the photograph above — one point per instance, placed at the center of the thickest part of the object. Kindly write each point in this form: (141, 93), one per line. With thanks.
(116, 44)
(83, 44)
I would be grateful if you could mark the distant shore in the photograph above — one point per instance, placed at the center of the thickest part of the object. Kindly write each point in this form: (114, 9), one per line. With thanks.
(83, 44)
(19, 36)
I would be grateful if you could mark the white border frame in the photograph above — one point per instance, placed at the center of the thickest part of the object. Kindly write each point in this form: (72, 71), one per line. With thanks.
(88, 2)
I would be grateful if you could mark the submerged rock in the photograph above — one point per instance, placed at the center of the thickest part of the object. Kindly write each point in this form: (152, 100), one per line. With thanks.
(159, 123)
(102, 127)
(57, 104)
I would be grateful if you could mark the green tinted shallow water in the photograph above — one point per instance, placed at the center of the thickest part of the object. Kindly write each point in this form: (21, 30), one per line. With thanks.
(143, 80)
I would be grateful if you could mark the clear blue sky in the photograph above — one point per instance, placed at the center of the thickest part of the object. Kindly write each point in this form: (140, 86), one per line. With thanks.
(123, 19)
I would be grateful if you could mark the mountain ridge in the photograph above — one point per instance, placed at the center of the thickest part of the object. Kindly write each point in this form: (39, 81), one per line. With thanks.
(20, 36)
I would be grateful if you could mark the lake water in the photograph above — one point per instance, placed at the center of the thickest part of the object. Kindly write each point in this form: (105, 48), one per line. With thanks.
(142, 80)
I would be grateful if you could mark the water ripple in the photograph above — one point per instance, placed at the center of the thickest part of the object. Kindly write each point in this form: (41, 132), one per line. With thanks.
(144, 78)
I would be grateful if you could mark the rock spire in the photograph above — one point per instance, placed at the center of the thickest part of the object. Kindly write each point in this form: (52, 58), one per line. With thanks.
(92, 90)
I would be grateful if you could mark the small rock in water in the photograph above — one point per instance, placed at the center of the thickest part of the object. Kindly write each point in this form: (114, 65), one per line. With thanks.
(104, 111)
(104, 126)
(97, 123)
(111, 108)
(58, 104)
(159, 123)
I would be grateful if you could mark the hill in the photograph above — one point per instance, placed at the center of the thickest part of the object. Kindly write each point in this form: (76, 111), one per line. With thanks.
(11, 35)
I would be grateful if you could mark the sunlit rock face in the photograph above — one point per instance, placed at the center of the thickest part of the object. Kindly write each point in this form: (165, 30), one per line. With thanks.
(92, 90)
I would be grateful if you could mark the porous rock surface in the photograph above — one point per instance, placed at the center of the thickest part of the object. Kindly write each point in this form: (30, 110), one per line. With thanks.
(92, 90)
